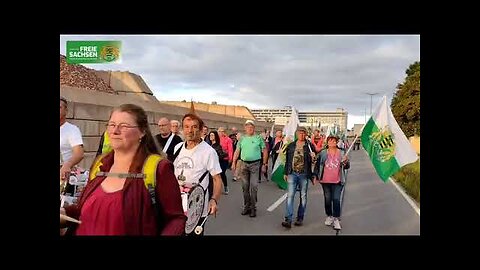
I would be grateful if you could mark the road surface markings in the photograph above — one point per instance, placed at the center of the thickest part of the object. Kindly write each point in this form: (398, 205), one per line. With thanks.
(409, 200)
(277, 203)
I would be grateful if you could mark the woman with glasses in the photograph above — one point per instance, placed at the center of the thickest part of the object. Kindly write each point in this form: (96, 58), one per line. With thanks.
(116, 201)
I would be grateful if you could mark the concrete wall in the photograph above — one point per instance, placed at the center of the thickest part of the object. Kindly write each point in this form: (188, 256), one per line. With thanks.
(235, 111)
(90, 111)
(127, 84)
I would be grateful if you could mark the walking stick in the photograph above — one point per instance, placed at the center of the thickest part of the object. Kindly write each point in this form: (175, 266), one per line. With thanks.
(342, 195)
(199, 229)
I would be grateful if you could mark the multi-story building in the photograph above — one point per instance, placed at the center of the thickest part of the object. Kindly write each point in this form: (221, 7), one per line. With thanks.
(307, 119)
(279, 116)
(324, 119)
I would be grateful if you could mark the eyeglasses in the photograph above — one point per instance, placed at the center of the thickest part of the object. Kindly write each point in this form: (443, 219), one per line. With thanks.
(122, 127)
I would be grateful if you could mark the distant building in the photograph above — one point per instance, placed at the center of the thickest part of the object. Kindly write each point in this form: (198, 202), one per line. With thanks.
(279, 116)
(312, 120)
(323, 119)
(357, 128)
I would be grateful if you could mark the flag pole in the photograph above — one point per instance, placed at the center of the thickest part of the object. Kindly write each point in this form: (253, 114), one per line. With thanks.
(353, 143)
(376, 109)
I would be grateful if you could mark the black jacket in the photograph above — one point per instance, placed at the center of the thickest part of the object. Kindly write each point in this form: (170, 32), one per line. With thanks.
(276, 147)
(290, 151)
(220, 153)
(163, 141)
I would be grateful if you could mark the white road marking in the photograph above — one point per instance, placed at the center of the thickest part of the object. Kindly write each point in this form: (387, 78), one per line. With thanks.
(277, 203)
(409, 200)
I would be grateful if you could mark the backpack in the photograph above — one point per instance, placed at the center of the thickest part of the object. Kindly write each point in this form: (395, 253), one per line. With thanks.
(149, 172)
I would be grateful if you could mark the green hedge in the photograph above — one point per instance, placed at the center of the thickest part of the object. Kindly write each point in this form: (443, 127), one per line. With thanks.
(409, 178)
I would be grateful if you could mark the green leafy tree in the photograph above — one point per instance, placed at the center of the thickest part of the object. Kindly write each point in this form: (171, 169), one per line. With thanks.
(406, 101)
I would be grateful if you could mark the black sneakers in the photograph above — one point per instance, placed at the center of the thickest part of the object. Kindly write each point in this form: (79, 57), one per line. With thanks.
(287, 224)
(251, 212)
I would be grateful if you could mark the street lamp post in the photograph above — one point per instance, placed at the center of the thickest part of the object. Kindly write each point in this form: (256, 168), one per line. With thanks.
(371, 97)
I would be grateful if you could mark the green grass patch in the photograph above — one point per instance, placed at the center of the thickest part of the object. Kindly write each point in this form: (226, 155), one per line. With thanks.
(409, 178)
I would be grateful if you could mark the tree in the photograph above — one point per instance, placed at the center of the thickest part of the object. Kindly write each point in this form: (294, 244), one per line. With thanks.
(406, 101)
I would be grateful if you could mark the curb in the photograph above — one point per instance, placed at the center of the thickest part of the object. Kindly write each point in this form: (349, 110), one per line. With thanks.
(405, 195)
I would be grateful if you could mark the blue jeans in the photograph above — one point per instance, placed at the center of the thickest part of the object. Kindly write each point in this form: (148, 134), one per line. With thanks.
(332, 194)
(224, 167)
(296, 181)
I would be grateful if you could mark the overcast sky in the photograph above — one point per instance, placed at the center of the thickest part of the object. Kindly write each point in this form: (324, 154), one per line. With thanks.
(312, 73)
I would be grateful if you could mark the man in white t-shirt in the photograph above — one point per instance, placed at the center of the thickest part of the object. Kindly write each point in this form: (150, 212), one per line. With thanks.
(71, 143)
(194, 159)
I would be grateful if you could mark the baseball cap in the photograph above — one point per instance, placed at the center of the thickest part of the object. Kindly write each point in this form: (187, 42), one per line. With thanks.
(302, 129)
(250, 122)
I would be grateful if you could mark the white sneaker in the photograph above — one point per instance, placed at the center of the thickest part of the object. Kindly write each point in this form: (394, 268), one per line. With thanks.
(336, 224)
(329, 221)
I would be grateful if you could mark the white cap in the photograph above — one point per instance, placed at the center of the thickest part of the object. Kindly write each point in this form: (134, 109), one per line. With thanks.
(250, 122)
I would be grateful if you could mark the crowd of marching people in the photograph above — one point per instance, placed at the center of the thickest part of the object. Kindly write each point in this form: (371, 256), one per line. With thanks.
(170, 183)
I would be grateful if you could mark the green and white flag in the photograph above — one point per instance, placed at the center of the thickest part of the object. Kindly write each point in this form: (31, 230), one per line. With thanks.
(385, 143)
(289, 136)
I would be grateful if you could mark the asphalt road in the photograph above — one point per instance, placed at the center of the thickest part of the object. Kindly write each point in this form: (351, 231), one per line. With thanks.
(370, 207)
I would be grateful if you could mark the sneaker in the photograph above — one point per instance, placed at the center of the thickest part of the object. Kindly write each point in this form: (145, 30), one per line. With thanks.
(298, 223)
(336, 224)
(234, 179)
(329, 221)
(225, 191)
(253, 213)
(245, 212)
(287, 224)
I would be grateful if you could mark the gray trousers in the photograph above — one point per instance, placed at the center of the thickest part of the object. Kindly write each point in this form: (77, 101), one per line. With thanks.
(249, 174)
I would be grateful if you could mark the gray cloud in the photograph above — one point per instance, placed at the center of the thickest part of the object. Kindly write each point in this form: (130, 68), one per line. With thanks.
(308, 72)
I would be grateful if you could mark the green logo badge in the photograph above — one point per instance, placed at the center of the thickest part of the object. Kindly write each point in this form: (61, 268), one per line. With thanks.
(90, 52)
(383, 144)
(110, 53)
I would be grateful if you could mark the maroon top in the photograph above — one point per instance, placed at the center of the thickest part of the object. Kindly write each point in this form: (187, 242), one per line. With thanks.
(139, 217)
(102, 214)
